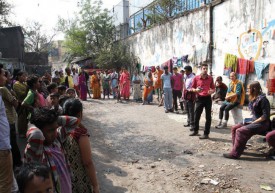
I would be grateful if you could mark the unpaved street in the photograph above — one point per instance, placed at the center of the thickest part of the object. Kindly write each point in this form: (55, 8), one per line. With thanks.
(139, 148)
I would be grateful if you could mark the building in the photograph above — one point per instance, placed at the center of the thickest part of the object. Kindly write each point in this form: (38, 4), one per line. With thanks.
(12, 48)
(120, 13)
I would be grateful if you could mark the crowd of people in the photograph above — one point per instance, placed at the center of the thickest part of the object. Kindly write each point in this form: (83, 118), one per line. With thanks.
(48, 111)
(58, 156)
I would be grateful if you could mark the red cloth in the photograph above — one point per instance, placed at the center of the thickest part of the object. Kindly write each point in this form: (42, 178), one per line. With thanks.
(271, 71)
(245, 66)
(271, 85)
(79, 132)
(250, 66)
(242, 66)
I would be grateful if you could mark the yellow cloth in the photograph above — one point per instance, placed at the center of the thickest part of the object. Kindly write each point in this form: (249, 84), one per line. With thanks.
(231, 61)
(62, 79)
(234, 85)
(71, 82)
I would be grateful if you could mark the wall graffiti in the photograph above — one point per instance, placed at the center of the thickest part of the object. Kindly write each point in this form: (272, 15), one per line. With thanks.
(250, 44)
(253, 44)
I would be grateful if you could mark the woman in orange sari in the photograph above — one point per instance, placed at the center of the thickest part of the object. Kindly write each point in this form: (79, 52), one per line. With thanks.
(95, 86)
(148, 88)
(157, 81)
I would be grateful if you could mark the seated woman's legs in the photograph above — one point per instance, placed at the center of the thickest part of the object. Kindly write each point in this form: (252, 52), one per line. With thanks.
(233, 132)
(242, 135)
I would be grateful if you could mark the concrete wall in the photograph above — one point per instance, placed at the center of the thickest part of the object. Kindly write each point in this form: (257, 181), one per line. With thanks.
(177, 38)
(231, 34)
(231, 21)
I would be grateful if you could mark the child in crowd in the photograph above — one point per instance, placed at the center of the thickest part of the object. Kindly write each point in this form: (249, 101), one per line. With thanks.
(54, 103)
(78, 148)
(52, 88)
(44, 145)
(71, 92)
(61, 90)
(32, 178)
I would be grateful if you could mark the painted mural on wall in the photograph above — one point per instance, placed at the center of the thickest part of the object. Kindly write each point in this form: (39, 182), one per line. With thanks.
(250, 44)
(254, 44)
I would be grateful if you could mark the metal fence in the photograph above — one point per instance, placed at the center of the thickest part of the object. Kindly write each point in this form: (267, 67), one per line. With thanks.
(135, 21)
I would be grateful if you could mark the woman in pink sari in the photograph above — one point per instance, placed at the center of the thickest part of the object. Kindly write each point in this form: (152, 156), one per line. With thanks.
(124, 82)
(82, 85)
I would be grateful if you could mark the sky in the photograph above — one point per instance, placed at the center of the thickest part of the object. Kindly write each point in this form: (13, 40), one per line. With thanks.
(46, 12)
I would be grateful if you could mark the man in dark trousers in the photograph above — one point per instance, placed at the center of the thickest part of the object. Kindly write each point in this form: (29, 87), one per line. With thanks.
(203, 85)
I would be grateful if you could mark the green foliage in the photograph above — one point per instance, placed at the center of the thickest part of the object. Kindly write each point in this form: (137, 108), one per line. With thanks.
(117, 56)
(163, 10)
(92, 33)
(4, 13)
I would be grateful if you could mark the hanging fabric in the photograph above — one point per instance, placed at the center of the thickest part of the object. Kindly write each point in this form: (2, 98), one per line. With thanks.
(271, 74)
(259, 68)
(230, 64)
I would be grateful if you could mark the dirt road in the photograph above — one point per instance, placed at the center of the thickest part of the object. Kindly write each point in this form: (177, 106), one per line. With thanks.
(141, 149)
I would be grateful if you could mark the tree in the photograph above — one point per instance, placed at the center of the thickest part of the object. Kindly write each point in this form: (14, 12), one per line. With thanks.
(4, 13)
(117, 57)
(35, 39)
(163, 10)
(92, 33)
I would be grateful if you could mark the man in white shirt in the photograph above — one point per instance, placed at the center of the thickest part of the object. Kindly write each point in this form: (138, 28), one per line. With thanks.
(167, 90)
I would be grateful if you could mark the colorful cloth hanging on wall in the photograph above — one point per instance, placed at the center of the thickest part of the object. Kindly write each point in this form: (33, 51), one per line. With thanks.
(271, 77)
(271, 74)
(259, 68)
(230, 64)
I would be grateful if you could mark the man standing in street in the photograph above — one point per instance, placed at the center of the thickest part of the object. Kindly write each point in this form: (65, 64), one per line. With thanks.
(167, 89)
(189, 96)
(177, 80)
(6, 172)
(203, 85)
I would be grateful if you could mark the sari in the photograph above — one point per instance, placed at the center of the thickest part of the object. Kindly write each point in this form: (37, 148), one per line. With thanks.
(20, 90)
(157, 75)
(124, 82)
(95, 86)
(82, 86)
(148, 89)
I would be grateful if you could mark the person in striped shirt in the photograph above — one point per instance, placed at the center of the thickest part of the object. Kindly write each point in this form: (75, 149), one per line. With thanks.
(45, 137)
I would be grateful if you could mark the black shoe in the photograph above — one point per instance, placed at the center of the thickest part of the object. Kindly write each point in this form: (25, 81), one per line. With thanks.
(195, 133)
(171, 110)
(229, 156)
(188, 125)
(204, 137)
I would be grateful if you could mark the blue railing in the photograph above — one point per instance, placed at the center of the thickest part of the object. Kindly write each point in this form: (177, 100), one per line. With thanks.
(135, 21)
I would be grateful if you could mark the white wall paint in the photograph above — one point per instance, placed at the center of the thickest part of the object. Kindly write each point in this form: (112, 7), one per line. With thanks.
(176, 38)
